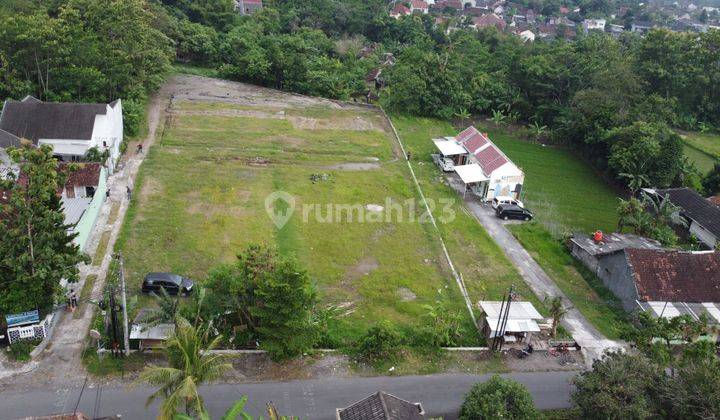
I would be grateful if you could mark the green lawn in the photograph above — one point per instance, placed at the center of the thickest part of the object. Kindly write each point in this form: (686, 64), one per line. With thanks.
(709, 142)
(200, 199)
(565, 194)
(483, 265)
(702, 160)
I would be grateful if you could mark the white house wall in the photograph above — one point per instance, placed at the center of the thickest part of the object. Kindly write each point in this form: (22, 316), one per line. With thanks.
(503, 181)
(109, 129)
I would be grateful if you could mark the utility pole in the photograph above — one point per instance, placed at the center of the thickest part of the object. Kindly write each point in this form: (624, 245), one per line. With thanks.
(113, 321)
(124, 305)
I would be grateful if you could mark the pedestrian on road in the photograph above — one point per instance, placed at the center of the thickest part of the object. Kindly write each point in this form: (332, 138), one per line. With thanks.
(139, 148)
(74, 300)
(107, 194)
(129, 192)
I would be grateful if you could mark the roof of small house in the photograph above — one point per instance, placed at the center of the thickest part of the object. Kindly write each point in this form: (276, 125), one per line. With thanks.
(490, 19)
(401, 9)
(449, 147)
(382, 406)
(33, 119)
(694, 207)
(491, 158)
(522, 316)
(85, 174)
(8, 140)
(612, 243)
(715, 200)
(470, 174)
(74, 209)
(676, 276)
(418, 4)
(155, 332)
(373, 74)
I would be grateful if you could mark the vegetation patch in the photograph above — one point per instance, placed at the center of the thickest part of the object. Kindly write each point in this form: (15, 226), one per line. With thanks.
(101, 249)
(85, 295)
(20, 350)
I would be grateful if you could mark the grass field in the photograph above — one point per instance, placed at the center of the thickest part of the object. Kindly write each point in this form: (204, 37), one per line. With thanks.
(703, 162)
(709, 142)
(550, 173)
(201, 199)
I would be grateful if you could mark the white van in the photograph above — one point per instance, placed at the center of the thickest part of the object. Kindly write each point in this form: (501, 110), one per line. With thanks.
(504, 199)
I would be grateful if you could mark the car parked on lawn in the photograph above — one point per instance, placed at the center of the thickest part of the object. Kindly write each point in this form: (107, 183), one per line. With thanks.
(504, 199)
(172, 283)
(511, 211)
(446, 164)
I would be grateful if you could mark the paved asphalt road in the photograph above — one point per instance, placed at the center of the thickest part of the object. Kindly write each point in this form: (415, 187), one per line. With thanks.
(441, 395)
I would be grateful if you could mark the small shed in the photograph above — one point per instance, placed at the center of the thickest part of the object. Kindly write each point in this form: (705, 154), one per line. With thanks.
(522, 320)
(151, 337)
(473, 177)
(451, 149)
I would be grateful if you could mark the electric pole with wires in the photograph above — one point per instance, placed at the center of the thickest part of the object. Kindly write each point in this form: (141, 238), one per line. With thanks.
(124, 304)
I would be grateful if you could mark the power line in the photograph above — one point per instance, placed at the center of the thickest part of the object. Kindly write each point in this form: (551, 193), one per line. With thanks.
(77, 404)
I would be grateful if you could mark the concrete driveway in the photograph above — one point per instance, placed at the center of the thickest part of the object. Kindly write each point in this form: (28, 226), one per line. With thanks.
(593, 343)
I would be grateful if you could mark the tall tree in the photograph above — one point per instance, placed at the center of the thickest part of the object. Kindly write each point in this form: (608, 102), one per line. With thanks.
(268, 298)
(36, 251)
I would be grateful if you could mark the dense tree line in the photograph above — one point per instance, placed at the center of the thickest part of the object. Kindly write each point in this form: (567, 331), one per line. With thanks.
(83, 51)
(615, 100)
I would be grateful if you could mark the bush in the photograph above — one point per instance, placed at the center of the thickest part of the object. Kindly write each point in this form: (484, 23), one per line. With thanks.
(498, 398)
(133, 115)
(20, 351)
(380, 343)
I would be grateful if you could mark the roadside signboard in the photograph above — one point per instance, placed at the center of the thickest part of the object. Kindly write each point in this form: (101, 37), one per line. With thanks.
(29, 317)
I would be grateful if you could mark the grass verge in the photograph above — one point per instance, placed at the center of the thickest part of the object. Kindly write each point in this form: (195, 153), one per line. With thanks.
(101, 248)
(708, 143)
(585, 291)
(85, 295)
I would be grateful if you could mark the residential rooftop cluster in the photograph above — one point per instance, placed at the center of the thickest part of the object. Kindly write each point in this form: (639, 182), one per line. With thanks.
(563, 21)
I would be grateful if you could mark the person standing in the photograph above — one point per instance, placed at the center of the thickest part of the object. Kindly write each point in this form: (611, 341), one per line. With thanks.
(129, 192)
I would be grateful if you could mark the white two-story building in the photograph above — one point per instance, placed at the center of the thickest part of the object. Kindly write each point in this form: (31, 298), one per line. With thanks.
(72, 129)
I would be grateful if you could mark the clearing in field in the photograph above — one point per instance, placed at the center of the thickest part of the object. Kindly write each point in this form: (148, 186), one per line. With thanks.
(202, 198)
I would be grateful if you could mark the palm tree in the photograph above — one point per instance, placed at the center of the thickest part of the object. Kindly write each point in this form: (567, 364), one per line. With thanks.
(236, 411)
(635, 181)
(498, 117)
(537, 130)
(557, 312)
(663, 210)
(463, 115)
(166, 311)
(190, 365)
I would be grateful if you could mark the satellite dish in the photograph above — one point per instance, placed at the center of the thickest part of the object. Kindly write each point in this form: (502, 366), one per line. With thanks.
(95, 334)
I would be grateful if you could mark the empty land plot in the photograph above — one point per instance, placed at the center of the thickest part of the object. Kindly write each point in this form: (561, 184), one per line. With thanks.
(202, 192)
(565, 194)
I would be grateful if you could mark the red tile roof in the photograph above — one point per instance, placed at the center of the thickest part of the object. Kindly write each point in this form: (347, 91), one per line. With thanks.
(490, 158)
(490, 19)
(675, 276)
(86, 175)
(401, 9)
(418, 4)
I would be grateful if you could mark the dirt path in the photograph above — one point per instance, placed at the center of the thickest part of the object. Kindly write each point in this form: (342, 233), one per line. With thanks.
(59, 365)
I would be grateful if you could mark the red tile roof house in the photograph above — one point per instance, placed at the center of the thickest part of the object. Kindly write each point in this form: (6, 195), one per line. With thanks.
(488, 20)
(664, 283)
(486, 171)
(400, 10)
(419, 6)
(82, 197)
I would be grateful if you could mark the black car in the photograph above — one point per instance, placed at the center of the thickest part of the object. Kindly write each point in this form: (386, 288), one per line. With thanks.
(511, 211)
(172, 283)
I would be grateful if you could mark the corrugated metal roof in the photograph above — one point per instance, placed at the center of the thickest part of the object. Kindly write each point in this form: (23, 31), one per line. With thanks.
(74, 208)
(490, 158)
